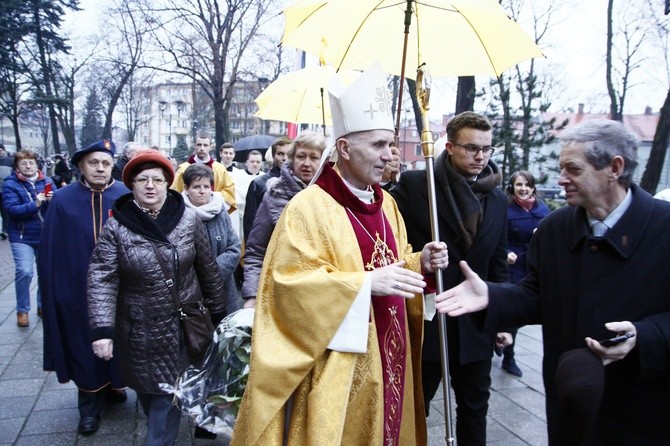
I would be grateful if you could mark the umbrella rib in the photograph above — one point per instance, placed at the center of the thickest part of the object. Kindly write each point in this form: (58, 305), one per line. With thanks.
(358, 28)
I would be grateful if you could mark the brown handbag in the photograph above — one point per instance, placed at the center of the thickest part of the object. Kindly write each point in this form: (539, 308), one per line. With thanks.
(194, 317)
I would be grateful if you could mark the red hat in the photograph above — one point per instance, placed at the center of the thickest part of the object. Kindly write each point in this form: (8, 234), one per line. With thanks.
(147, 156)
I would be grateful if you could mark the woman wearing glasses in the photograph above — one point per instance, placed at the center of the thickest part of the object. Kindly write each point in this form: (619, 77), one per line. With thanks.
(152, 254)
(26, 195)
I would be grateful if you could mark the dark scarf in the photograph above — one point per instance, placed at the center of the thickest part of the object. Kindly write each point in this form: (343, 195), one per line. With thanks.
(464, 196)
(132, 217)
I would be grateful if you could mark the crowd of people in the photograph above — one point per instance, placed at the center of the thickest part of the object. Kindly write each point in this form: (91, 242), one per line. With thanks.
(335, 254)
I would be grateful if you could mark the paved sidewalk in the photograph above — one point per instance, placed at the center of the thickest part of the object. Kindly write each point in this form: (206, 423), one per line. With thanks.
(36, 410)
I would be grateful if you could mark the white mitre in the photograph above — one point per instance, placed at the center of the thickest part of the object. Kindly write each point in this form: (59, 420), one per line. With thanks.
(363, 105)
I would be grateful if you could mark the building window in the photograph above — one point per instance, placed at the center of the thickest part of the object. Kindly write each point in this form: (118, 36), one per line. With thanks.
(417, 150)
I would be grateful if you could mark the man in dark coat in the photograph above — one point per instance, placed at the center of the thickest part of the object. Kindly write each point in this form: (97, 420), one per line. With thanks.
(258, 187)
(127, 153)
(472, 214)
(596, 269)
(72, 225)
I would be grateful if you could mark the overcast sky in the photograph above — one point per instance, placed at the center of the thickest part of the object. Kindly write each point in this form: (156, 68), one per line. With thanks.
(574, 50)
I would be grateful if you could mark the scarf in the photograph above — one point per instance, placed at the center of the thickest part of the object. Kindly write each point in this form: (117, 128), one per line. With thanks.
(35, 178)
(526, 204)
(207, 211)
(463, 196)
(132, 217)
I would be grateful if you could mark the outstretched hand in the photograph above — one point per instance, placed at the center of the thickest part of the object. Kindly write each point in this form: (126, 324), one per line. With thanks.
(471, 295)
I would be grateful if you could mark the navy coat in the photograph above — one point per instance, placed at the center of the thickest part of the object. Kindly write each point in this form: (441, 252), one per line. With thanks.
(575, 284)
(487, 257)
(520, 228)
(71, 228)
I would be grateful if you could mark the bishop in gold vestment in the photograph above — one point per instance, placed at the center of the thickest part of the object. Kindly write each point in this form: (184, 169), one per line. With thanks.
(336, 342)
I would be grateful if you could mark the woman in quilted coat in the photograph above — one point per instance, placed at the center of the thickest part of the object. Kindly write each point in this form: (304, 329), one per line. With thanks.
(151, 247)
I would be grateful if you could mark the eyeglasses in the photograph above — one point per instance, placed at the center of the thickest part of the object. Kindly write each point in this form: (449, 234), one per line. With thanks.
(95, 163)
(143, 181)
(27, 163)
(473, 149)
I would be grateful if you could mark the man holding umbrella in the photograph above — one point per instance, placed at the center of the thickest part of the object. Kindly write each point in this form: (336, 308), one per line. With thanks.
(472, 215)
(338, 326)
(223, 182)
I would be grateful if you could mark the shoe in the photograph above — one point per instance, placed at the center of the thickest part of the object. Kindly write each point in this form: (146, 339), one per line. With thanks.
(22, 319)
(203, 434)
(3, 236)
(88, 425)
(509, 365)
(39, 311)
(116, 396)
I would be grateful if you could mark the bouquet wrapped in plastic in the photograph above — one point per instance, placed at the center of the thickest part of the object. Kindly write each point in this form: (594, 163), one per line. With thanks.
(211, 392)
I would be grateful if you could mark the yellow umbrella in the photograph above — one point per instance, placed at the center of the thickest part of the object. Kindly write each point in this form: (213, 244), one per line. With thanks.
(453, 37)
(300, 96)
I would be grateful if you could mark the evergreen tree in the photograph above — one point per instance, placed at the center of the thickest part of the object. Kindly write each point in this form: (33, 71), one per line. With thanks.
(181, 151)
(91, 129)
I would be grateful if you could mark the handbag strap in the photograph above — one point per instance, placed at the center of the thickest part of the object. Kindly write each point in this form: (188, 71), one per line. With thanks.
(172, 284)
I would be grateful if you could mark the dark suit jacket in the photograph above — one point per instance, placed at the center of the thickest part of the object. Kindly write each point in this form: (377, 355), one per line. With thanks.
(487, 257)
(575, 284)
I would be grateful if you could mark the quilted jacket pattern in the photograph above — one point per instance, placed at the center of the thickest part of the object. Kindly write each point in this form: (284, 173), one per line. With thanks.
(129, 298)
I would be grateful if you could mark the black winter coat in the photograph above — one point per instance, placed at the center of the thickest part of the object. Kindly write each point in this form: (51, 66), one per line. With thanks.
(575, 284)
(487, 257)
(128, 296)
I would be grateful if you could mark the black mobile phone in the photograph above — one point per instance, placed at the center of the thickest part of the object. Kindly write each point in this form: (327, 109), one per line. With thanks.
(616, 340)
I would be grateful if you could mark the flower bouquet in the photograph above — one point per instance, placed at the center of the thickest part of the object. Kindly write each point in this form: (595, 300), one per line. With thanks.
(211, 392)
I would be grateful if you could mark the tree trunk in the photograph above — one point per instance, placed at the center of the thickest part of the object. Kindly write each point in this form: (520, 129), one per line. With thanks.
(411, 87)
(614, 107)
(17, 133)
(659, 147)
(46, 73)
(465, 95)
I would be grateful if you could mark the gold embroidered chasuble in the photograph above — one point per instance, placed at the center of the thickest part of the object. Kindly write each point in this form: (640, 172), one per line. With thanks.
(311, 275)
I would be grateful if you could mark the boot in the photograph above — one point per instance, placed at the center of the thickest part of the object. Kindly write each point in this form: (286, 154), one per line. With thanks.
(22, 319)
(509, 365)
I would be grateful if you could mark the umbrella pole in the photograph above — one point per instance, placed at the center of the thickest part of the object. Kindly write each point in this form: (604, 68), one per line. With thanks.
(401, 86)
(427, 147)
(323, 114)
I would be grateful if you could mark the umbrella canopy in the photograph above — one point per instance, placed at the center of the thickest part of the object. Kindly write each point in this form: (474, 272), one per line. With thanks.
(301, 96)
(481, 38)
(253, 142)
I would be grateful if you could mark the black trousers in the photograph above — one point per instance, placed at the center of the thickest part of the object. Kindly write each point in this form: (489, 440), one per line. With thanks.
(471, 383)
(91, 404)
